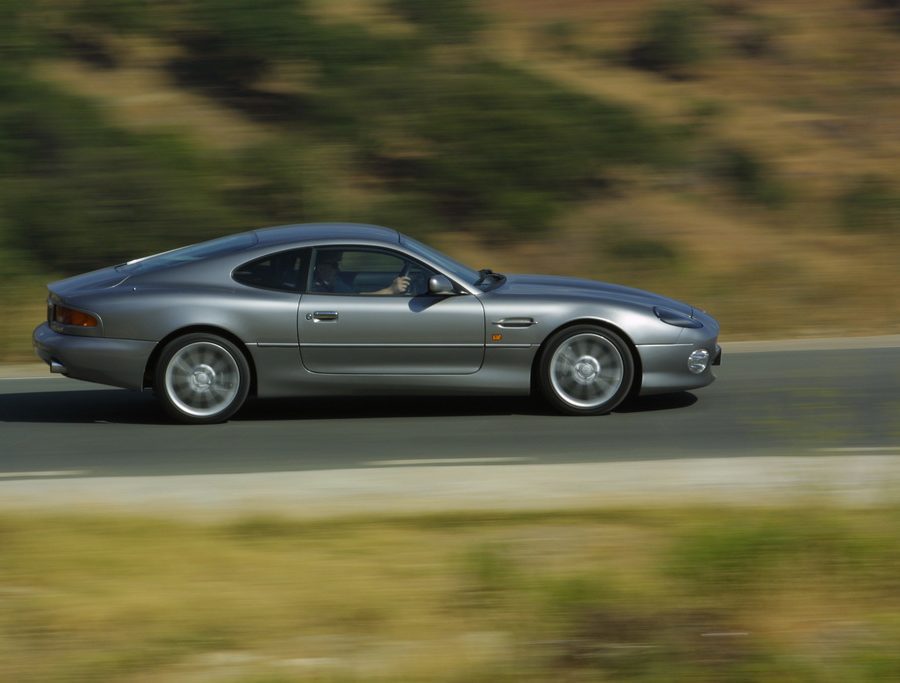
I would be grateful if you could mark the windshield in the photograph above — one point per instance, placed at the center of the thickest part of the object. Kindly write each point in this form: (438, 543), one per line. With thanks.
(455, 268)
(194, 252)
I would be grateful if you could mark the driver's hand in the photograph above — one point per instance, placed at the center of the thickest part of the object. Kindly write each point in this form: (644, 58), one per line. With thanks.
(400, 285)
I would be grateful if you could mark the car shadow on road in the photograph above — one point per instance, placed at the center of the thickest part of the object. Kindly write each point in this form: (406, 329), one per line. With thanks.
(129, 407)
(93, 405)
(430, 406)
(359, 407)
(647, 404)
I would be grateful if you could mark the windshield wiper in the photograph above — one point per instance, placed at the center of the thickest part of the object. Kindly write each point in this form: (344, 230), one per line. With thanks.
(485, 273)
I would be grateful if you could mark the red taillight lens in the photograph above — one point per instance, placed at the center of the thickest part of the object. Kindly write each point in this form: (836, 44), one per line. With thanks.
(69, 316)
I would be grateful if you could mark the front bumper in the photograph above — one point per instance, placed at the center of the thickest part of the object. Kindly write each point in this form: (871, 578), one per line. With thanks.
(665, 367)
(117, 362)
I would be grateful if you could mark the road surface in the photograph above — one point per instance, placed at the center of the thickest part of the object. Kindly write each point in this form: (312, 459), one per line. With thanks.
(772, 418)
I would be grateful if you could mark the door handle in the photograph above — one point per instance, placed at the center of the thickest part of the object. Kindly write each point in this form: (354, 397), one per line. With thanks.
(515, 322)
(322, 316)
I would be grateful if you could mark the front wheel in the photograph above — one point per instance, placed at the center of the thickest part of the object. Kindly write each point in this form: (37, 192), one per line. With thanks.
(202, 379)
(586, 370)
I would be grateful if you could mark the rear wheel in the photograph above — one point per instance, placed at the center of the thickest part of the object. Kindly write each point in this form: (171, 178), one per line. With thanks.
(586, 370)
(202, 378)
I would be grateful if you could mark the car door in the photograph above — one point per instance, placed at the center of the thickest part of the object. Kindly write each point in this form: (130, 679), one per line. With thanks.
(351, 323)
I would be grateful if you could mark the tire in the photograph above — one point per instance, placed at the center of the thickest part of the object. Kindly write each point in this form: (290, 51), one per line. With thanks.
(586, 370)
(201, 378)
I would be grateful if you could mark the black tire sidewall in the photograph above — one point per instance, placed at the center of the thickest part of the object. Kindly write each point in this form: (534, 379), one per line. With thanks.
(554, 342)
(174, 347)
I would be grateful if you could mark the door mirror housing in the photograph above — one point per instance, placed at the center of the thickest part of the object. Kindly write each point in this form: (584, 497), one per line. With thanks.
(440, 285)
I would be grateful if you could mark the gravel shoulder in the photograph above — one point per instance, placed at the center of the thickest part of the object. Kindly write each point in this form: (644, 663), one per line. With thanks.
(851, 479)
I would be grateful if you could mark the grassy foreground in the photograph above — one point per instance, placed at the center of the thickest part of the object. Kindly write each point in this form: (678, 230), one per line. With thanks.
(677, 594)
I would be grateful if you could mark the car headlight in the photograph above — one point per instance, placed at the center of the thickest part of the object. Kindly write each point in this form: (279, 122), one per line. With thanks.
(670, 317)
(698, 361)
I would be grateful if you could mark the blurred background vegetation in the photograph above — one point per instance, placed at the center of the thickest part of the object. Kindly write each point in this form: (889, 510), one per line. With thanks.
(744, 156)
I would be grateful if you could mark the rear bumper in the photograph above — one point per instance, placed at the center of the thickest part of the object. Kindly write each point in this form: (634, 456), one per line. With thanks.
(117, 362)
(665, 367)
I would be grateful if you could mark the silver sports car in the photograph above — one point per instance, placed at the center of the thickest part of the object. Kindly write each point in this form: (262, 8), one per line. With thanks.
(338, 309)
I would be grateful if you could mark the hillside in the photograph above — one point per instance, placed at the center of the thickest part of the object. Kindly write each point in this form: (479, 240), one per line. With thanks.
(744, 156)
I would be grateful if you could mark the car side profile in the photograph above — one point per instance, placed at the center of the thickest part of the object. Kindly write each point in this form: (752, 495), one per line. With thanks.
(346, 309)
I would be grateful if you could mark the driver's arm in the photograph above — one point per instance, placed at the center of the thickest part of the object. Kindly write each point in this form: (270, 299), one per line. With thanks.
(400, 285)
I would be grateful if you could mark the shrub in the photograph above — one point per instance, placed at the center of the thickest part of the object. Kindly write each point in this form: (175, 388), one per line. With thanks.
(114, 15)
(871, 204)
(674, 39)
(21, 36)
(749, 176)
(643, 251)
(504, 145)
(79, 193)
(450, 21)
(891, 9)
(232, 44)
(559, 35)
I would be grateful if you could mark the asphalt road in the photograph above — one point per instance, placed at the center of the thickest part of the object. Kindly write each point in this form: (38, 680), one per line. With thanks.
(771, 403)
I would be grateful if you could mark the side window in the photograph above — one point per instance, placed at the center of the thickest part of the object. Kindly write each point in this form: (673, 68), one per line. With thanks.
(284, 271)
(372, 272)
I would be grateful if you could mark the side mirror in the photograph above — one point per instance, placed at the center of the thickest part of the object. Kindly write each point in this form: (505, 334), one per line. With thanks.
(440, 285)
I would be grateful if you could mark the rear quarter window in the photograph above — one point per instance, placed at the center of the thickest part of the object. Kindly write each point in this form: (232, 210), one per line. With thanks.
(284, 271)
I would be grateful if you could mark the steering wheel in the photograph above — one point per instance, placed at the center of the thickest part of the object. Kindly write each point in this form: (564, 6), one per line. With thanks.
(404, 272)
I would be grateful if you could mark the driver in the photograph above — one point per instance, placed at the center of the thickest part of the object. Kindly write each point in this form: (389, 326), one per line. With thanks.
(327, 278)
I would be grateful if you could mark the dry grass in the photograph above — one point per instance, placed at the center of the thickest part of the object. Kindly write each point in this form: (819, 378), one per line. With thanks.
(141, 95)
(698, 594)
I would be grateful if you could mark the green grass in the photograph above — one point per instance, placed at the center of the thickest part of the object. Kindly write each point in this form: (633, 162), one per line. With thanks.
(660, 594)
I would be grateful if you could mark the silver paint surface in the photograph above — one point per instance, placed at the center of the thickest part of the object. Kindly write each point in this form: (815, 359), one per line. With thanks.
(377, 344)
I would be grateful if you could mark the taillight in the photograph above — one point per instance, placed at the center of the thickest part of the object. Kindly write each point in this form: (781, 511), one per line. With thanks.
(69, 316)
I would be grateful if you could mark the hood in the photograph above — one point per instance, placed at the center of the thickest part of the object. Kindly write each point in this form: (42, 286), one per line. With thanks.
(548, 285)
(105, 278)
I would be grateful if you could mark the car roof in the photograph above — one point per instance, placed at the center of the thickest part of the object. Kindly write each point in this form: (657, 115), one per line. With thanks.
(309, 232)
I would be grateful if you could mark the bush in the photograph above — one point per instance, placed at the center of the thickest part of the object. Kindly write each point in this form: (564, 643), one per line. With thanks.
(21, 36)
(503, 145)
(674, 40)
(450, 21)
(122, 16)
(750, 176)
(870, 205)
(891, 8)
(232, 44)
(78, 193)
(644, 252)
(559, 35)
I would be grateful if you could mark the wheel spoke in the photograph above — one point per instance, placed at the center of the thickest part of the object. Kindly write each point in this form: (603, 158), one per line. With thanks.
(570, 357)
(587, 370)
(581, 347)
(202, 379)
(603, 384)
